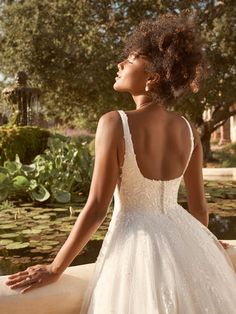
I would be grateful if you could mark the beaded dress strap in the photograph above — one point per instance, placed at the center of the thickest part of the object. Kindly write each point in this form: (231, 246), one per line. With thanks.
(127, 135)
(192, 142)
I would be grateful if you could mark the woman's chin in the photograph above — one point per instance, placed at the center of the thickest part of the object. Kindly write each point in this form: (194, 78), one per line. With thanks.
(119, 88)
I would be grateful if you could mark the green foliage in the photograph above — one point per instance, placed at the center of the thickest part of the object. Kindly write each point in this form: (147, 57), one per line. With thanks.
(71, 49)
(61, 46)
(25, 141)
(65, 167)
(227, 156)
(6, 205)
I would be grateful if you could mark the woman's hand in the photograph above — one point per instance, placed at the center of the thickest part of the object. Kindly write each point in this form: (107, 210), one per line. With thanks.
(33, 277)
(224, 244)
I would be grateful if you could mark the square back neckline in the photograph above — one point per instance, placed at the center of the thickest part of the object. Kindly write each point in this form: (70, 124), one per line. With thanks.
(135, 156)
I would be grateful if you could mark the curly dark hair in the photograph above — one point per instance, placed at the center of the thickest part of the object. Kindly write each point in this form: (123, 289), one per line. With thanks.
(175, 48)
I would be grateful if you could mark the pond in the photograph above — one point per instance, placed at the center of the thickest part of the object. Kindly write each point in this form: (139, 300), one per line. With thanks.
(31, 235)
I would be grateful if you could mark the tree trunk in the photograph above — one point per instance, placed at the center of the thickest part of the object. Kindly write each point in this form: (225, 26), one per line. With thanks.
(206, 131)
(207, 153)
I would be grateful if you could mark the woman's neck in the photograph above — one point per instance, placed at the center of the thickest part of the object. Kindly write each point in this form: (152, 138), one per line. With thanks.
(140, 100)
(143, 101)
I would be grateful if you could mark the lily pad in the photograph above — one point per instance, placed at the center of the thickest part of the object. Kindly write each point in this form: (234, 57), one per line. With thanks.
(41, 217)
(51, 243)
(5, 241)
(34, 242)
(69, 219)
(44, 248)
(17, 245)
(46, 237)
(97, 237)
(35, 251)
(31, 231)
(7, 226)
(9, 235)
(65, 229)
(52, 215)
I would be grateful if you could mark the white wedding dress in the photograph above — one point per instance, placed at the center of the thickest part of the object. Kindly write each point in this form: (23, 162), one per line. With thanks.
(156, 258)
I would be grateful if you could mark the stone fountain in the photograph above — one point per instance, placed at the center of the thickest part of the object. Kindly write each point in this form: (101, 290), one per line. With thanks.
(22, 101)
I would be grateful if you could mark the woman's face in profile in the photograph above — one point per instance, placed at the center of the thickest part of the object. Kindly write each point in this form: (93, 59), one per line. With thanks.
(132, 75)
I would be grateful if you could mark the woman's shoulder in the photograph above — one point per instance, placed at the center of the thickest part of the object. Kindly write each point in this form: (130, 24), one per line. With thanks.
(111, 122)
(182, 118)
(110, 118)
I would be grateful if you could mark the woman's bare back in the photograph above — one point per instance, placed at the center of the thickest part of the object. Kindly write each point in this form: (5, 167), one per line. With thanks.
(161, 141)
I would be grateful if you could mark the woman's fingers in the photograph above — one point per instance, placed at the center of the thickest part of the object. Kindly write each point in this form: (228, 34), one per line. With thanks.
(22, 278)
(40, 282)
(16, 275)
(33, 277)
(224, 244)
(26, 281)
(16, 279)
(20, 284)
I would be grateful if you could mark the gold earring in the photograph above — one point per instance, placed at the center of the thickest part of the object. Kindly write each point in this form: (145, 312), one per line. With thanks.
(146, 88)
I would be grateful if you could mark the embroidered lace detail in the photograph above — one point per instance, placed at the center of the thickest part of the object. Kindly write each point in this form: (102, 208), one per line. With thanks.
(156, 257)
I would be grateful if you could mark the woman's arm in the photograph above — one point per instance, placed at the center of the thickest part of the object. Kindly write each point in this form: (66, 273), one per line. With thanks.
(105, 175)
(193, 178)
(104, 179)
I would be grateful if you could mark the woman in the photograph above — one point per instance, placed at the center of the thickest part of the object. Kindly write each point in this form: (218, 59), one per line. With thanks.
(156, 256)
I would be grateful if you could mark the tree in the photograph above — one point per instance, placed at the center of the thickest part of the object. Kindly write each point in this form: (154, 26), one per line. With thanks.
(70, 49)
(217, 22)
(220, 32)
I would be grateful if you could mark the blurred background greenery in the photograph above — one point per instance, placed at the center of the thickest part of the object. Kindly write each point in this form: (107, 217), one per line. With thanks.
(70, 49)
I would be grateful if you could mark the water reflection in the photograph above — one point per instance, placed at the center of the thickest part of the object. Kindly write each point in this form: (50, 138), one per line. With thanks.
(223, 227)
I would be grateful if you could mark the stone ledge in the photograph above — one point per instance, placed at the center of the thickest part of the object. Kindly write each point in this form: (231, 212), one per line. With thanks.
(62, 297)
(209, 173)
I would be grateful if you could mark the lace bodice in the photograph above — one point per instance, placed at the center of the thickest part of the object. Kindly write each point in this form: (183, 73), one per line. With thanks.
(138, 192)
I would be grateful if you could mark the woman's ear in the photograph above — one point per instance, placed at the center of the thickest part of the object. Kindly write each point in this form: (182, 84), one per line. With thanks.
(153, 78)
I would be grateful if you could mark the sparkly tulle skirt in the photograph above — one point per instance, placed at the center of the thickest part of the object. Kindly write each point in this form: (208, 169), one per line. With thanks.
(155, 263)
